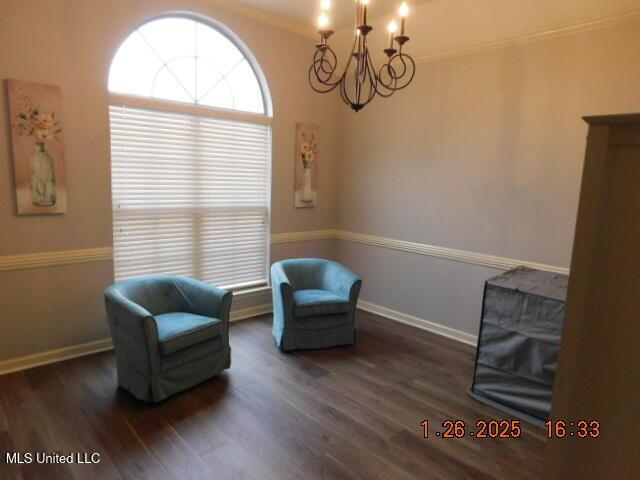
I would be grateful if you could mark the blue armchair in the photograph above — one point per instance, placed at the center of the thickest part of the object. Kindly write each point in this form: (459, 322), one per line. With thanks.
(314, 304)
(169, 333)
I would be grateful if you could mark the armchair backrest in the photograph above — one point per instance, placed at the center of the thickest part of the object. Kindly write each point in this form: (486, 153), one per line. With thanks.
(317, 273)
(157, 294)
(304, 273)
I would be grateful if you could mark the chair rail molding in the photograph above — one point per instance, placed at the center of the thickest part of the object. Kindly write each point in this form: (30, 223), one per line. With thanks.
(51, 259)
(278, 238)
(463, 256)
(69, 257)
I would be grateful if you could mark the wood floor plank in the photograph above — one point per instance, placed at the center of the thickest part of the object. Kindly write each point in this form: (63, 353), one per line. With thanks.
(29, 430)
(68, 423)
(337, 422)
(236, 425)
(232, 463)
(346, 413)
(4, 425)
(270, 365)
(169, 448)
(98, 401)
(309, 438)
(8, 471)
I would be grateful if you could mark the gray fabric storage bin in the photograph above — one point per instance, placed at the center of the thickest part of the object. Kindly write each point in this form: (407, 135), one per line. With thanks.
(519, 340)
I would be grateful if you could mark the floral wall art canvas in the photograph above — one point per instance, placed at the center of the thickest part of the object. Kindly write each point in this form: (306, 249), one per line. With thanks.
(37, 147)
(306, 168)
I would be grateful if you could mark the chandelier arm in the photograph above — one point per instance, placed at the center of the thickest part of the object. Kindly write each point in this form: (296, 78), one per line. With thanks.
(324, 68)
(321, 83)
(410, 70)
(326, 88)
(333, 62)
(390, 72)
(373, 79)
(319, 75)
(343, 89)
(343, 92)
(379, 86)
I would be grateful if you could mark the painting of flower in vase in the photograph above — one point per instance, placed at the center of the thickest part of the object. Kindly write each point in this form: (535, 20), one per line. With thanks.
(306, 168)
(37, 147)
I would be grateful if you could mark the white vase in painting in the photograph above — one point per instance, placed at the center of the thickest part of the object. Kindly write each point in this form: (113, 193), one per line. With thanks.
(306, 168)
(43, 180)
(306, 185)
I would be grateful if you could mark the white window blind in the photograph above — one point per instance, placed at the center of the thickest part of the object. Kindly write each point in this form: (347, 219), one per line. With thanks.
(190, 196)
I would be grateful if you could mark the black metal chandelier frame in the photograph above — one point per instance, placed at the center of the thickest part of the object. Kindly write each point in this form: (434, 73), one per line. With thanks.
(360, 82)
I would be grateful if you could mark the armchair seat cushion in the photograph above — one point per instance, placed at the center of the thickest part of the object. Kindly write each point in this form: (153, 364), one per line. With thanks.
(309, 303)
(179, 330)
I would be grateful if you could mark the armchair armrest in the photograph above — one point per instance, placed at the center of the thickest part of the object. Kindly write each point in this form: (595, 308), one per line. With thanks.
(342, 281)
(204, 299)
(282, 291)
(127, 308)
(133, 330)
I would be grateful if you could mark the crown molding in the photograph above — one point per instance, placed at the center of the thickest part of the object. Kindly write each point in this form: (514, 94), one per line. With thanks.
(262, 16)
(572, 28)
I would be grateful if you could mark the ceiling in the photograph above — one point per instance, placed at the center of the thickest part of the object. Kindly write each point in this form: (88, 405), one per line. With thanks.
(305, 12)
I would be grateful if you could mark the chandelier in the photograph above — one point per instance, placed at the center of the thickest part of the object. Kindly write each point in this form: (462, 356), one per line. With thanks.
(360, 81)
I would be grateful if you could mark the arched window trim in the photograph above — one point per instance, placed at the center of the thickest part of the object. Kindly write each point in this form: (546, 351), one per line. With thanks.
(181, 107)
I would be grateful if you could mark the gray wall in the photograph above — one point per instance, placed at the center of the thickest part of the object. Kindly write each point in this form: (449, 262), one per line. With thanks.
(70, 43)
(482, 153)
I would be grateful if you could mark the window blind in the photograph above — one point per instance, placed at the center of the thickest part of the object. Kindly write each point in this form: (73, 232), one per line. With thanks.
(190, 196)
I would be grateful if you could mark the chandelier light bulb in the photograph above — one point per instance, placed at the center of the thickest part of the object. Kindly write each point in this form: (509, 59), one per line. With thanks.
(323, 21)
(365, 2)
(393, 26)
(325, 4)
(403, 11)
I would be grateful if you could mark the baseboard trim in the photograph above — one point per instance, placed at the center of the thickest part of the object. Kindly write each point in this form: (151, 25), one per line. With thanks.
(53, 356)
(97, 346)
(420, 323)
(102, 345)
(250, 312)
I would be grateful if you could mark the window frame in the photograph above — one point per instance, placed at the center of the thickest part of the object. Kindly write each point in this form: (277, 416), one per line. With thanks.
(266, 118)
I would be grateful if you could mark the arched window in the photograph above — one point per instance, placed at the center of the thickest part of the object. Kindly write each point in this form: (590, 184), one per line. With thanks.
(184, 60)
(190, 123)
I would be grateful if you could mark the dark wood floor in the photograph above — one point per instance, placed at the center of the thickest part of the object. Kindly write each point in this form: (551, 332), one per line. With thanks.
(341, 413)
